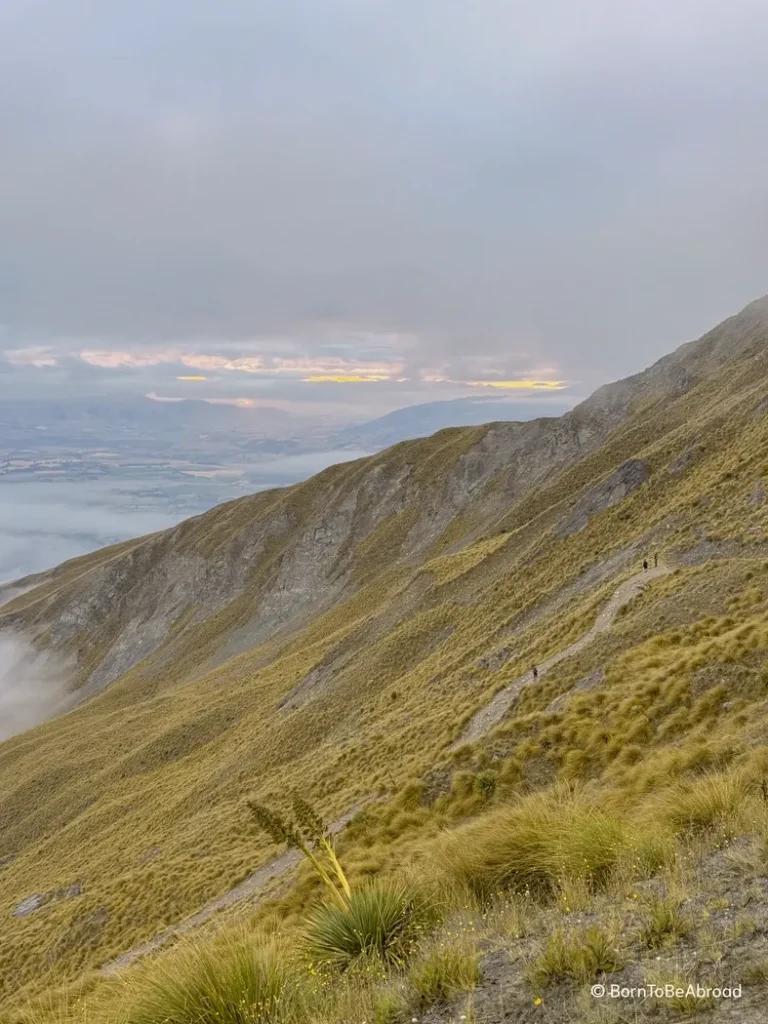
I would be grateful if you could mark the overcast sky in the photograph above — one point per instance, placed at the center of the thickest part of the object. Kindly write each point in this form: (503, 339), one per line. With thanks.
(423, 198)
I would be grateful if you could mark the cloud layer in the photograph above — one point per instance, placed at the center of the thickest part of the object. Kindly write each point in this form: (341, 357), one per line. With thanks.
(33, 687)
(375, 189)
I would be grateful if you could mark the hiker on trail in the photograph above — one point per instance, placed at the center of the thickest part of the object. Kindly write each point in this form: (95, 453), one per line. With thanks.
(645, 563)
(535, 673)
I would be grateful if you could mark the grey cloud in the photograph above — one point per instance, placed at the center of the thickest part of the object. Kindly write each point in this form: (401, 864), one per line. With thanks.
(579, 181)
(33, 686)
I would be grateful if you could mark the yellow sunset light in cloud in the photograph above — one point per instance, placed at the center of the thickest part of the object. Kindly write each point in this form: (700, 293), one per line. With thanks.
(535, 385)
(191, 378)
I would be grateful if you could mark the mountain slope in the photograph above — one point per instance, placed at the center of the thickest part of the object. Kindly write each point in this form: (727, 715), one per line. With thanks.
(297, 540)
(337, 635)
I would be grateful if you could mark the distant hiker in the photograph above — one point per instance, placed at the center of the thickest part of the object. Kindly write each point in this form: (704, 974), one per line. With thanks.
(656, 560)
(535, 673)
(645, 563)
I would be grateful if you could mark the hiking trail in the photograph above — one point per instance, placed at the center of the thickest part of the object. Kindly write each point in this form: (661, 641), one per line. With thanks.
(493, 713)
(248, 887)
(482, 721)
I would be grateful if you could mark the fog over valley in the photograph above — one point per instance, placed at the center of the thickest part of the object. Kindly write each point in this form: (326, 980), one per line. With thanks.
(33, 686)
(44, 522)
(79, 474)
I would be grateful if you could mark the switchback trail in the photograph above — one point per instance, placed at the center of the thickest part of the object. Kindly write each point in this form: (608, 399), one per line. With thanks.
(493, 713)
(484, 720)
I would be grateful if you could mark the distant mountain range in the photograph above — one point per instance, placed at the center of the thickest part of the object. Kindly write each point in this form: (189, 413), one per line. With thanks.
(422, 420)
(136, 413)
(101, 418)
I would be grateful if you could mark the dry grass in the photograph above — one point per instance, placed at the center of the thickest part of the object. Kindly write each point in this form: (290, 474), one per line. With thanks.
(576, 955)
(534, 846)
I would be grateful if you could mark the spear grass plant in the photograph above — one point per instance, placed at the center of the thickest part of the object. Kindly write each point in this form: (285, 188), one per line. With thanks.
(314, 827)
(308, 834)
(381, 924)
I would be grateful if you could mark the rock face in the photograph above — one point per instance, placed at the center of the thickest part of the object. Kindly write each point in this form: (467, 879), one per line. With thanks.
(627, 478)
(288, 554)
(37, 900)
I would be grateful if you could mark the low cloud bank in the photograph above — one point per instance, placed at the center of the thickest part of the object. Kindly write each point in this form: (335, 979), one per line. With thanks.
(33, 685)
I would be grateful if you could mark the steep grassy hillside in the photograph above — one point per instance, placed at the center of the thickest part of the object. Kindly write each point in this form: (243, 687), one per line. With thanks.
(337, 637)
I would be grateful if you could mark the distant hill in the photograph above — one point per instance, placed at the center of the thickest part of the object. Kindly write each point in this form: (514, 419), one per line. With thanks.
(118, 414)
(426, 419)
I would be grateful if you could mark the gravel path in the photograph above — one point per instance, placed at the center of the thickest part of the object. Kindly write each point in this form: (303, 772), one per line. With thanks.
(493, 713)
(484, 720)
(253, 884)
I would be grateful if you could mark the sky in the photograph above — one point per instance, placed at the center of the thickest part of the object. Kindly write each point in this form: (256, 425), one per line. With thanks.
(347, 206)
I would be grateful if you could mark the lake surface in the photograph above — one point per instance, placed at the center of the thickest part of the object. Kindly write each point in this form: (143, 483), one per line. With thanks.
(46, 520)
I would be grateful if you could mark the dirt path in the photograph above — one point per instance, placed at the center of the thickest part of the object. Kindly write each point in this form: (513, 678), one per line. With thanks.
(253, 884)
(484, 720)
(492, 713)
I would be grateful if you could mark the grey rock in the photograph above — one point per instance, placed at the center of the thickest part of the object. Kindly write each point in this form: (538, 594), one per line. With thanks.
(67, 893)
(29, 905)
(493, 662)
(682, 462)
(615, 488)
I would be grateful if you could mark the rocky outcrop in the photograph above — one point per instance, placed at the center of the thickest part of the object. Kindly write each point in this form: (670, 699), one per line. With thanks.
(679, 465)
(496, 660)
(622, 482)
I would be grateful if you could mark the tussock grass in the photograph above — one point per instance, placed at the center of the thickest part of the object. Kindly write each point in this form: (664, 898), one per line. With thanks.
(665, 923)
(577, 955)
(717, 801)
(687, 1004)
(238, 982)
(534, 845)
(442, 972)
